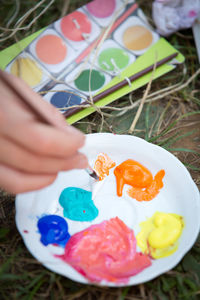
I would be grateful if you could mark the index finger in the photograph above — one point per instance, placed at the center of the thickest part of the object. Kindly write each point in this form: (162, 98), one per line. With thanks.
(46, 140)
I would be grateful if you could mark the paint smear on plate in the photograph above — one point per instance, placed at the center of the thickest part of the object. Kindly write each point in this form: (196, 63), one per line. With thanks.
(51, 49)
(159, 234)
(137, 38)
(53, 230)
(112, 59)
(78, 204)
(103, 164)
(106, 251)
(75, 25)
(87, 80)
(27, 69)
(101, 8)
(144, 186)
(65, 99)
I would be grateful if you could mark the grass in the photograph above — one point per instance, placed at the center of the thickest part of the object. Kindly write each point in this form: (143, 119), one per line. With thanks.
(172, 122)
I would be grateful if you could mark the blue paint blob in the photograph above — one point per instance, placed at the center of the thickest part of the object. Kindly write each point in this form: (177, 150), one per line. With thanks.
(62, 99)
(53, 230)
(78, 204)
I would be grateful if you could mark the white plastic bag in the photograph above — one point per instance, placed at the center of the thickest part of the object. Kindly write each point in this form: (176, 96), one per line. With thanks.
(172, 15)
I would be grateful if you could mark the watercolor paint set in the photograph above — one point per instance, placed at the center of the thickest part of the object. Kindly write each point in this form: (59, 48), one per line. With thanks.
(80, 54)
(134, 224)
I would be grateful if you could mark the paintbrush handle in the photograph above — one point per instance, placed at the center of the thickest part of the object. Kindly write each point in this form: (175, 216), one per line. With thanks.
(121, 84)
(25, 97)
(29, 98)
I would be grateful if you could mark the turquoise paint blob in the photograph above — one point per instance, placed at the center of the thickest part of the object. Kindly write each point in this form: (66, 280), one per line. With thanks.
(119, 56)
(53, 230)
(78, 205)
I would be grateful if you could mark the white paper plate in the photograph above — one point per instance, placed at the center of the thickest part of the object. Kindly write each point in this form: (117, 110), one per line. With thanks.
(179, 195)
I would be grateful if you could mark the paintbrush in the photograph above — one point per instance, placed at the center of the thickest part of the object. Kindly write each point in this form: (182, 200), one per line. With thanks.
(34, 107)
(119, 85)
(92, 173)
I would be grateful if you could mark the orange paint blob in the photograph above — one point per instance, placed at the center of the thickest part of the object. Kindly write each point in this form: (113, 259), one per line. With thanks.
(150, 192)
(103, 164)
(144, 186)
(51, 49)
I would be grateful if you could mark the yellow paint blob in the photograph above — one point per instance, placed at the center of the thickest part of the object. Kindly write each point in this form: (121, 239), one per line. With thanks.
(137, 37)
(26, 69)
(159, 234)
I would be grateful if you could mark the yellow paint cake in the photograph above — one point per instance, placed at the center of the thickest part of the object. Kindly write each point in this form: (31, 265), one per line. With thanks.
(27, 69)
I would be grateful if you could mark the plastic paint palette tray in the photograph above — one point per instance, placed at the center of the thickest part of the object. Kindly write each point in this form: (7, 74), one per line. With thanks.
(179, 195)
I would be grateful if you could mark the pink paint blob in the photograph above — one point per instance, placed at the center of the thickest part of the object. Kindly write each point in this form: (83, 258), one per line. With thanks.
(75, 25)
(26, 231)
(101, 8)
(106, 251)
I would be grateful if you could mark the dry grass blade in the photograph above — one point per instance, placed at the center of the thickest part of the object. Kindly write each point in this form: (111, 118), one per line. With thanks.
(19, 23)
(132, 127)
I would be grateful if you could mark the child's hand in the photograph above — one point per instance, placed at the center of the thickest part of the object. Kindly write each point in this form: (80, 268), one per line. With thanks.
(32, 153)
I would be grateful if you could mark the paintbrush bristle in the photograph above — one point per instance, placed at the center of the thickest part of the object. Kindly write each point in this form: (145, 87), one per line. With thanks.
(94, 175)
